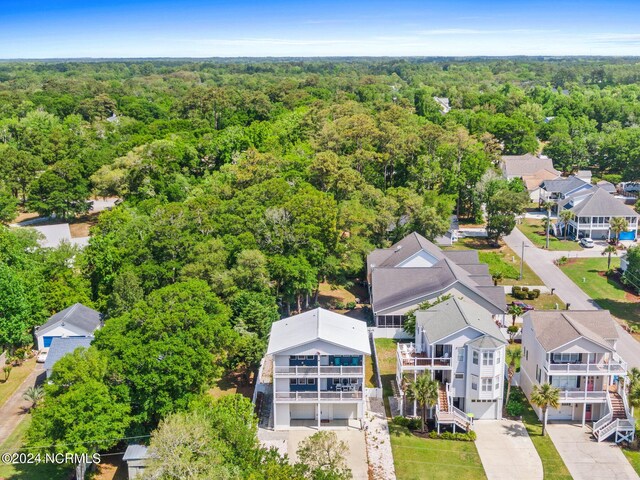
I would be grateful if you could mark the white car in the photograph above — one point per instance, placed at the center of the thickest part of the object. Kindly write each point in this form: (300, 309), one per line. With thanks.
(587, 242)
(42, 355)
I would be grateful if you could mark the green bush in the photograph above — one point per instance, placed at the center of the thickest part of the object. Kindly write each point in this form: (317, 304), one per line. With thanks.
(515, 407)
(520, 295)
(515, 289)
(351, 305)
(531, 295)
(525, 289)
(537, 292)
(339, 305)
(414, 424)
(400, 421)
(469, 436)
(433, 434)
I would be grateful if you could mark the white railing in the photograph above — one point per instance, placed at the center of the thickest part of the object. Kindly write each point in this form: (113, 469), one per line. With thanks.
(577, 395)
(463, 418)
(607, 430)
(300, 371)
(318, 396)
(602, 422)
(613, 366)
(408, 358)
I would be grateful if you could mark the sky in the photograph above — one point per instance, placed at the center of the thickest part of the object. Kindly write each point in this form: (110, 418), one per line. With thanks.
(281, 28)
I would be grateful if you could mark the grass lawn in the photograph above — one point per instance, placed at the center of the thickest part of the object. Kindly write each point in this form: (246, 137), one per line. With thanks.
(543, 302)
(607, 292)
(16, 377)
(502, 259)
(371, 377)
(634, 455)
(43, 471)
(418, 458)
(534, 231)
(552, 464)
(386, 350)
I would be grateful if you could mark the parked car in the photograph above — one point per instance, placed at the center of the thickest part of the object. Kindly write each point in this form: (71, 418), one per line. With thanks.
(42, 355)
(525, 306)
(587, 242)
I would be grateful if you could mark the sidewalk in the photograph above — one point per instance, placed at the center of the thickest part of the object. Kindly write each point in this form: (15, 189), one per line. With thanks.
(14, 409)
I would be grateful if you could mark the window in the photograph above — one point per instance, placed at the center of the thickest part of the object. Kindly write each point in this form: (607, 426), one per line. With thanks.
(336, 381)
(390, 321)
(311, 357)
(486, 384)
(487, 358)
(461, 354)
(302, 381)
(459, 376)
(474, 382)
(353, 380)
(527, 355)
(565, 358)
(311, 381)
(496, 382)
(564, 382)
(475, 357)
(293, 381)
(497, 358)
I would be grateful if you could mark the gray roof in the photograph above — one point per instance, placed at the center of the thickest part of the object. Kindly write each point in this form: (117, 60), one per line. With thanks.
(486, 341)
(392, 285)
(453, 315)
(555, 328)
(607, 186)
(602, 203)
(60, 346)
(83, 318)
(527, 164)
(135, 452)
(564, 185)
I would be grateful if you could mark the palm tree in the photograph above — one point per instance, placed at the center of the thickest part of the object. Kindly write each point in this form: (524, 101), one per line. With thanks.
(633, 380)
(34, 395)
(512, 356)
(618, 225)
(548, 206)
(496, 278)
(609, 250)
(515, 311)
(424, 390)
(545, 396)
(566, 216)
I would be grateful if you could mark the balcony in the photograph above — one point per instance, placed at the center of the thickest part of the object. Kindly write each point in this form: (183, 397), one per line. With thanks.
(409, 359)
(615, 366)
(323, 371)
(580, 396)
(322, 396)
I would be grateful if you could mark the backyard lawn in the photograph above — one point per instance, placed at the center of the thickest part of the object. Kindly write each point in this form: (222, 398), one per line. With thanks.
(552, 464)
(634, 455)
(502, 260)
(43, 471)
(386, 350)
(16, 377)
(418, 458)
(543, 302)
(534, 231)
(588, 274)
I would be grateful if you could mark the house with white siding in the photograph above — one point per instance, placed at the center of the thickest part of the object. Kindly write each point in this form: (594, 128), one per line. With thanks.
(318, 363)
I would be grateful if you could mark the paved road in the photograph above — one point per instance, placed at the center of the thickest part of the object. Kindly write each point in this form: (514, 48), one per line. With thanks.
(506, 450)
(14, 409)
(587, 459)
(541, 262)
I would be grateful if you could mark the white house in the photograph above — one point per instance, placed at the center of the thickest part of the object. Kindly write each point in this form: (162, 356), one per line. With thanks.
(575, 351)
(460, 345)
(533, 170)
(74, 321)
(414, 270)
(318, 370)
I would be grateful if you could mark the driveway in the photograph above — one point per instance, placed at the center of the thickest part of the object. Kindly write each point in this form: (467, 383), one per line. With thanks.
(541, 262)
(587, 459)
(13, 411)
(506, 450)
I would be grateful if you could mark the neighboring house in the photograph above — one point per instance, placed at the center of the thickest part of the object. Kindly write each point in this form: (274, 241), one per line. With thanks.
(461, 346)
(452, 234)
(592, 212)
(575, 351)
(137, 458)
(443, 103)
(561, 188)
(607, 187)
(533, 170)
(318, 370)
(74, 321)
(60, 346)
(624, 263)
(414, 270)
(584, 175)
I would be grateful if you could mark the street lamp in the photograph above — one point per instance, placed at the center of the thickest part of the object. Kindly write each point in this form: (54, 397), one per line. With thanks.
(522, 260)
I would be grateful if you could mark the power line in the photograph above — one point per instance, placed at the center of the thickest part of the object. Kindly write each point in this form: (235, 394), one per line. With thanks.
(76, 443)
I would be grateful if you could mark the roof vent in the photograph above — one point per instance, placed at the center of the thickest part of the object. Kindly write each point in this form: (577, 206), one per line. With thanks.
(398, 248)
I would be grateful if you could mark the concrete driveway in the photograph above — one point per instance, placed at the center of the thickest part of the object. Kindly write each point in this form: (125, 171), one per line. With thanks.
(587, 459)
(506, 450)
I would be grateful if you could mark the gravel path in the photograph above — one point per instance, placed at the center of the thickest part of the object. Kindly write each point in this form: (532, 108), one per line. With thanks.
(378, 441)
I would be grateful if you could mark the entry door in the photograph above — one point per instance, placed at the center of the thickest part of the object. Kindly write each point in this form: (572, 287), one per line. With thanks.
(325, 412)
(587, 414)
(590, 384)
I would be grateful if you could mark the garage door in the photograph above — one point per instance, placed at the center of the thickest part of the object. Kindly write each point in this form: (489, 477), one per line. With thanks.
(344, 412)
(564, 413)
(628, 235)
(302, 412)
(482, 410)
(47, 341)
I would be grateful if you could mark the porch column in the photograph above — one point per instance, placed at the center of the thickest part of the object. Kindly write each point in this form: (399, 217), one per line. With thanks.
(319, 413)
(415, 403)
(584, 413)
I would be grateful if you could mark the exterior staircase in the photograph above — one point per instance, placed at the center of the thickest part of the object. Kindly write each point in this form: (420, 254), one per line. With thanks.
(619, 421)
(447, 414)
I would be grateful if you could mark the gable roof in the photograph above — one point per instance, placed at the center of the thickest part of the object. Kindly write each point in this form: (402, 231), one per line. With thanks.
(392, 285)
(527, 164)
(135, 452)
(607, 186)
(602, 203)
(555, 328)
(61, 346)
(85, 319)
(319, 324)
(453, 315)
(564, 185)
(536, 179)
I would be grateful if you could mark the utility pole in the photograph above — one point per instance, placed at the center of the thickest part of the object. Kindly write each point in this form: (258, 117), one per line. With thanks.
(521, 261)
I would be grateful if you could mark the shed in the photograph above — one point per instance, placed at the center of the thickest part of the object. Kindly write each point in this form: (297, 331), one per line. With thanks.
(137, 457)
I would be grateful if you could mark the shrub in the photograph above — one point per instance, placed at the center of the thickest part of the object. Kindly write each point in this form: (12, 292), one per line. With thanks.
(537, 292)
(414, 424)
(520, 295)
(515, 408)
(433, 434)
(351, 305)
(469, 436)
(525, 289)
(531, 295)
(339, 305)
(400, 421)
(515, 289)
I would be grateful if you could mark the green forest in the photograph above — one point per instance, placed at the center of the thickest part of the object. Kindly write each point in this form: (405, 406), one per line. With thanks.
(245, 184)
